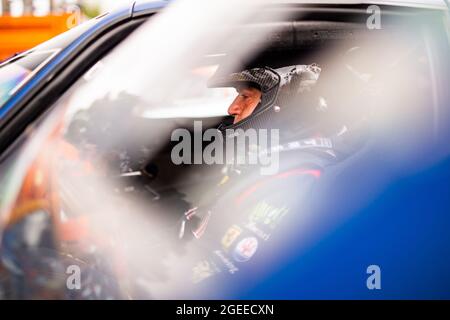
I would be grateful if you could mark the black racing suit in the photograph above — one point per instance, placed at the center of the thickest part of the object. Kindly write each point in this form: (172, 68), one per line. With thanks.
(250, 210)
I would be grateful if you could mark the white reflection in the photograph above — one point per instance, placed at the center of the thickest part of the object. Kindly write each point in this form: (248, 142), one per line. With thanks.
(160, 72)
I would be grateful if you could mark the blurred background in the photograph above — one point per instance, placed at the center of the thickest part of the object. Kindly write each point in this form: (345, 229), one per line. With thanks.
(26, 23)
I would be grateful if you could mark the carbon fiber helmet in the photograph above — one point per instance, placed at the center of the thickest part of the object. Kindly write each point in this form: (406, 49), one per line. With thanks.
(278, 88)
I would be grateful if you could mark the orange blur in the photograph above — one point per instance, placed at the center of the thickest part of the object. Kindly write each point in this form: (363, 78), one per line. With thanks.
(18, 34)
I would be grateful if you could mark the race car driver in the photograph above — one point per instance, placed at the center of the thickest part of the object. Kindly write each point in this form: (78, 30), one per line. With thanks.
(256, 206)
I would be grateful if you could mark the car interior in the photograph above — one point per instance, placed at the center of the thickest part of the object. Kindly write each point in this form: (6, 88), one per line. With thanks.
(354, 64)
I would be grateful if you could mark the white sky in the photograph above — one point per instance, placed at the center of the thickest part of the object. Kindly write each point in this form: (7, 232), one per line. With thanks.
(107, 5)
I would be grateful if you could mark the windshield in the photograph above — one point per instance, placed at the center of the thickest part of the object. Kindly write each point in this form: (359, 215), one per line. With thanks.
(151, 185)
(15, 73)
(19, 69)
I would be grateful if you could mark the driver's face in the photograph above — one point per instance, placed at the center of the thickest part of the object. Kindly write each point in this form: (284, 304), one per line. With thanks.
(244, 104)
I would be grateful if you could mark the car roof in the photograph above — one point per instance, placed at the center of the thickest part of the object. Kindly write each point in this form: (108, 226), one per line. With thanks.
(428, 4)
(143, 6)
